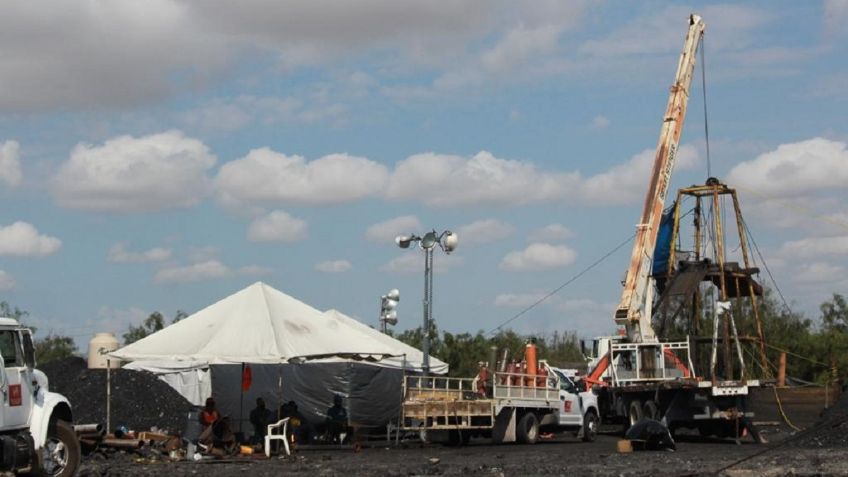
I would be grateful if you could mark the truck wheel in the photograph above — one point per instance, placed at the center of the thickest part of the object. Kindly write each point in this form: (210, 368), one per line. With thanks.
(635, 411)
(60, 455)
(650, 410)
(527, 429)
(590, 426)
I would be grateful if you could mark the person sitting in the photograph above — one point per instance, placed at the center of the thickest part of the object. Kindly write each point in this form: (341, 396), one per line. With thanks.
(216, 429)
(209, 414)
(336, 420)
(260, 418)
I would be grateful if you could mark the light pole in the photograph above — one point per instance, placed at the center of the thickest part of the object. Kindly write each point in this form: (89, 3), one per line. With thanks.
(447, 241)
(388, 311)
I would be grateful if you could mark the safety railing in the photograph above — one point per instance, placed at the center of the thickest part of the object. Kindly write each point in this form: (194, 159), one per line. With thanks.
(437, 388)
(634, 363)
(526, 386)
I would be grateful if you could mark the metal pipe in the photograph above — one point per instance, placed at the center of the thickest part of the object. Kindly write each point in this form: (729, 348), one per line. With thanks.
(428, 297)
(89, 428)
(108, 394)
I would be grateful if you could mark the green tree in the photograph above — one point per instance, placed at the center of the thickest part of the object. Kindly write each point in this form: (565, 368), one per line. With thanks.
(151, 324)
(54, 347)
(833, 338)
(9, 311)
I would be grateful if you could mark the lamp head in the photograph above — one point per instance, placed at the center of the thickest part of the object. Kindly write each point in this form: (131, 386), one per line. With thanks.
(450, 241)
(429, 240)
(403, 241)
(394, 294)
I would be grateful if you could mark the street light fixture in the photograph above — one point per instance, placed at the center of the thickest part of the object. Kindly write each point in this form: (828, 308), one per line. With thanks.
(447, 241)
(388, 309)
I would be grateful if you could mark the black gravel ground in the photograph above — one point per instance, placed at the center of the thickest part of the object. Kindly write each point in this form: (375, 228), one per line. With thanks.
(139, 399)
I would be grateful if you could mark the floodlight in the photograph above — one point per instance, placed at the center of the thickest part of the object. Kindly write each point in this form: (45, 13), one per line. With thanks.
(450, 241)
(391, 318)
(389, 304)
(403, 241)
(394, 294)
(429, 240)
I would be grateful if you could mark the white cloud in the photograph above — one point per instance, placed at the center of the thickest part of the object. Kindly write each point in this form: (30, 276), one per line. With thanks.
(414, 263)
(268, 176)
(819, 272)
(202, 254)
(128, 174)
(232, 114)
(600, 122)
(835, 16)
(255, 270)
(550, 233)
(21, 239)
(446, 180)
(333, 266)
(539, 256)
(484, 231)
(795, 168)
(7, 281)
(277, 226)
(119, 254)
(10, 163)
(815, 247)
(626, 183)
(386, 231)
(208, 270)
(518, 300)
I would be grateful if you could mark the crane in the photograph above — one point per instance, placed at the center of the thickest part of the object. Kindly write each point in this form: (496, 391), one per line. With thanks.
(634, 310)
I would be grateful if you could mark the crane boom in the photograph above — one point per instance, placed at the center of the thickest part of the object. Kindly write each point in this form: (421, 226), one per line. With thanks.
(634, 310)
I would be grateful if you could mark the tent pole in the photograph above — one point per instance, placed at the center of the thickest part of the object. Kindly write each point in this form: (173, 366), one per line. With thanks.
(241, 402)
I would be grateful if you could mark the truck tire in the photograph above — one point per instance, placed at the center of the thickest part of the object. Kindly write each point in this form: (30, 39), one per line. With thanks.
(634, 412)
(60, 455)
(527, 429)
(590, 426)
(650, 410)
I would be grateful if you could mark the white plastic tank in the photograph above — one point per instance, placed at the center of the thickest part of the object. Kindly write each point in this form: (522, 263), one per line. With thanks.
(100, 344)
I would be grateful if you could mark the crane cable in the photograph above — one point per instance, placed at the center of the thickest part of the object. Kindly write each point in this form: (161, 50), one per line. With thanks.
(568, 282)
(704, 91)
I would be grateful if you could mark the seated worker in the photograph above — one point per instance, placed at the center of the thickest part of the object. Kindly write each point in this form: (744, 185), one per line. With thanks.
(216, 429)
(260, 418)
(209, 414)
(336, 420)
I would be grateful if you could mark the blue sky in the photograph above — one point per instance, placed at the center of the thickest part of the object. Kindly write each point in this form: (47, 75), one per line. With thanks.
(162, 156)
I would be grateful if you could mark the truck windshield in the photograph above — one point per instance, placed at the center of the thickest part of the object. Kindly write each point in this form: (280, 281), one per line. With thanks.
(10, 349)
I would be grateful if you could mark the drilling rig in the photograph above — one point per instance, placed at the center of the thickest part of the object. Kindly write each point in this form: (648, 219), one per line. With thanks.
(640, 373)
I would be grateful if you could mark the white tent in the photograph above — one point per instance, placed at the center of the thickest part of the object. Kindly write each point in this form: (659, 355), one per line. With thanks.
(295, 351)
(260, 324)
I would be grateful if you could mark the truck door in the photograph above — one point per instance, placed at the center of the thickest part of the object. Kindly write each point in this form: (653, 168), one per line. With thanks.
(570, 413)
(16, 388)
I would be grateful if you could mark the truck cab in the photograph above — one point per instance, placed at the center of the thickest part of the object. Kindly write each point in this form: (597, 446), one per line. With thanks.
(35, 425)
(578, 410)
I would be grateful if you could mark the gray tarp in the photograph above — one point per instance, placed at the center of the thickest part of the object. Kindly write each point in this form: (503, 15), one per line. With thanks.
(372, 394)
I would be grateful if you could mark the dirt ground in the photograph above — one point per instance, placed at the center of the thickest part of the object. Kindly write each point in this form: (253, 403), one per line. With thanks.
(565, 456)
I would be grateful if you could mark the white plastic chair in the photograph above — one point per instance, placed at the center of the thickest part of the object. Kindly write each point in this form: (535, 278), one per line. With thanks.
(271, 436)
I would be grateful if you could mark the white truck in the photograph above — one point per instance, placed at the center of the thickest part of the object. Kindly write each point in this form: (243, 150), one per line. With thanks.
(36, 435)
(518, 408)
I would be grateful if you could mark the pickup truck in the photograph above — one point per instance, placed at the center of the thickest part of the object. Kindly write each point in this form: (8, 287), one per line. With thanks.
(518, 408)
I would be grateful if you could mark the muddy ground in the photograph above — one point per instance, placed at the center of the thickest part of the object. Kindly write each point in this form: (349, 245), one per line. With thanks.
(786, 454)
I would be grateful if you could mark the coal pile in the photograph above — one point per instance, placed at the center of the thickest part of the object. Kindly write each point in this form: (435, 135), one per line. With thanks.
(140, 400)
(831, 430)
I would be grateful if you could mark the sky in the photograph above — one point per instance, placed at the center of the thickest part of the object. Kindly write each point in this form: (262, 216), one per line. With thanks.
(162, 155)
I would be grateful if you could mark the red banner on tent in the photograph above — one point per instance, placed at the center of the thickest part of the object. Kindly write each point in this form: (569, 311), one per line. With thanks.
(246, 378)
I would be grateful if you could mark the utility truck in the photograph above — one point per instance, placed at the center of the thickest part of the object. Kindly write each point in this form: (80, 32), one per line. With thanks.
(36, 435)
(517, 404)
(638, 374)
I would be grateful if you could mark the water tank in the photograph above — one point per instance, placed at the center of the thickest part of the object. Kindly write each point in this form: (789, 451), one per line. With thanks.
(100, 343)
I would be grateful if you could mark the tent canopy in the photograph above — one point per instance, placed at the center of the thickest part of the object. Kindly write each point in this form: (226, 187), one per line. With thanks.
(260, 324)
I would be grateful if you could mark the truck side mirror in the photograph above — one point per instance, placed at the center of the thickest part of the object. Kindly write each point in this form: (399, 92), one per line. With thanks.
(29, 351)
